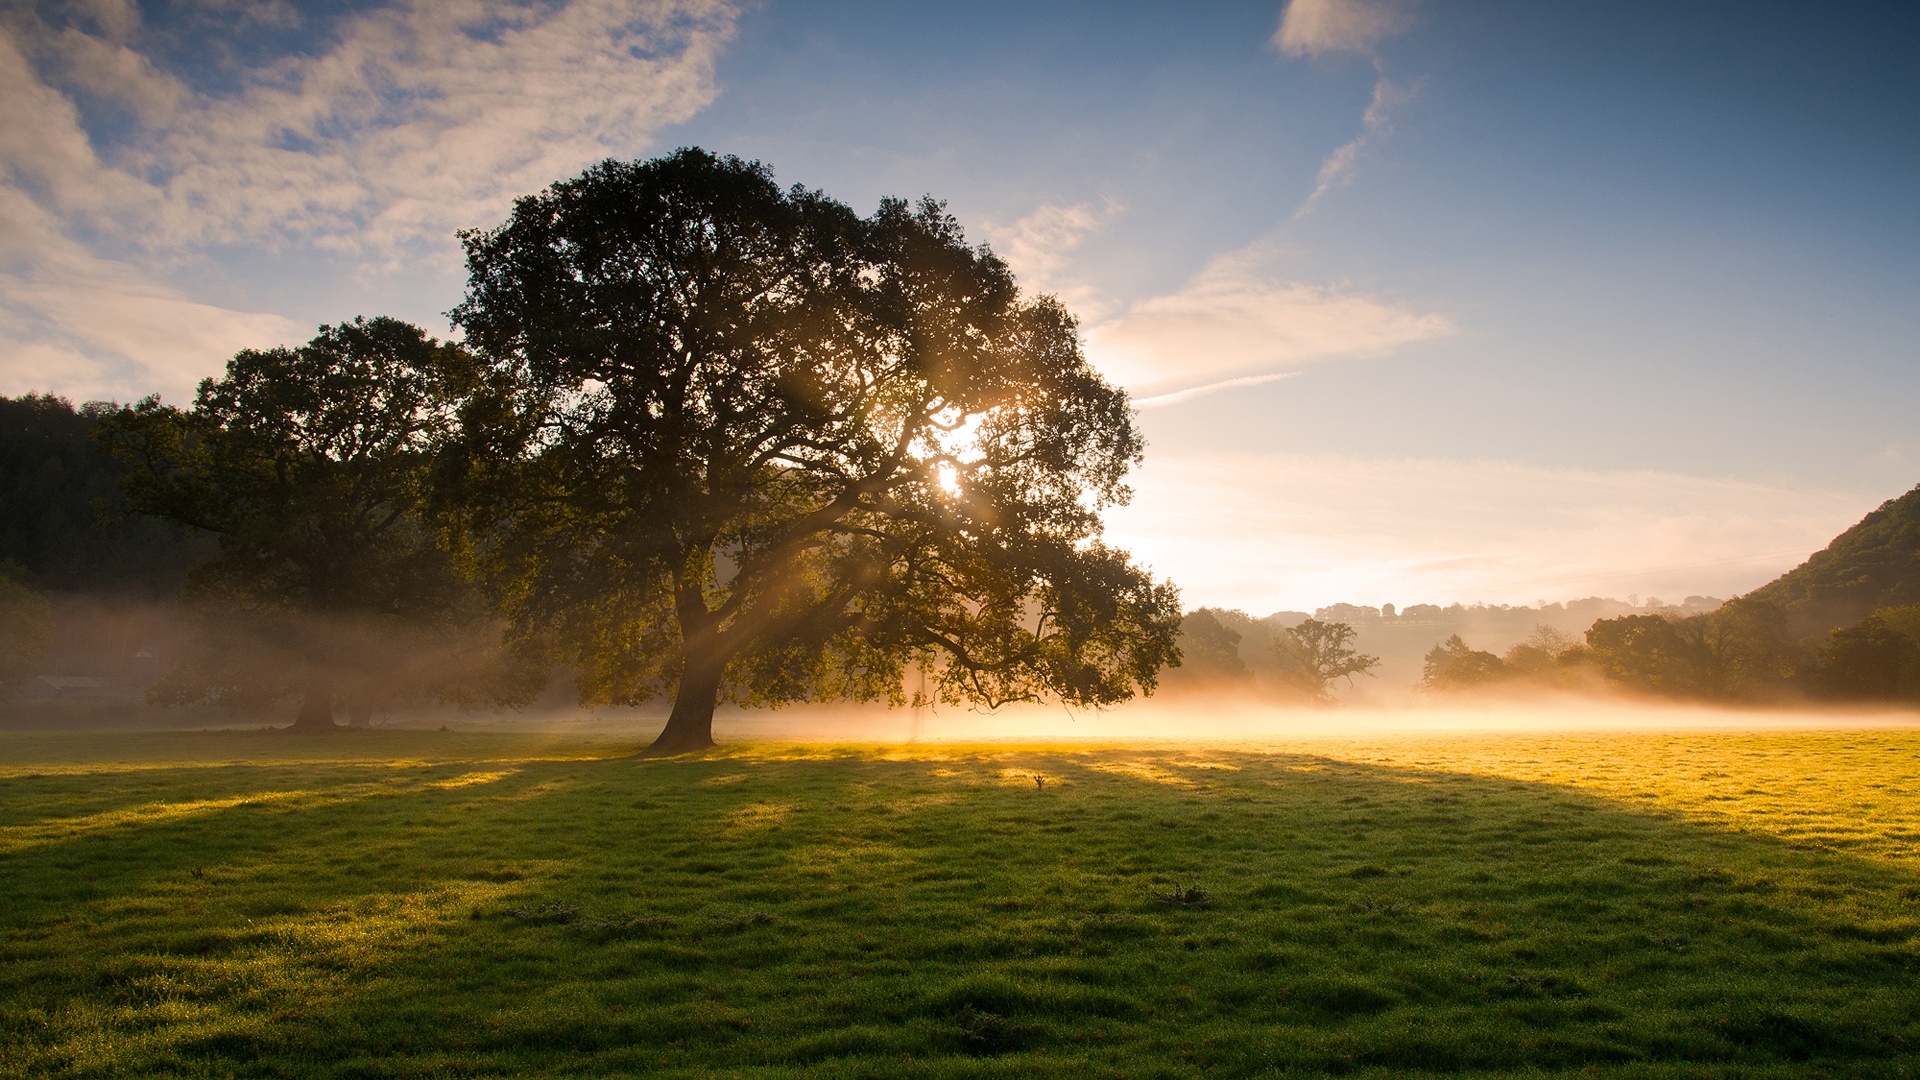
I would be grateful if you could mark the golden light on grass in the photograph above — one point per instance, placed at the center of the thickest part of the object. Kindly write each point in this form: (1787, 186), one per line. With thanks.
(58, 830)
(1689, 897)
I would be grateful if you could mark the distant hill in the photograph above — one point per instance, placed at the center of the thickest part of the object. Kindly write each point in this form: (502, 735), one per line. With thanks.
(1873, 565)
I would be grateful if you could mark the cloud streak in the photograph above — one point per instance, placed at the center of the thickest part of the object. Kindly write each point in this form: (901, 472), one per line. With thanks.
(1176, 397)
(1339, 166)
(1236, 321)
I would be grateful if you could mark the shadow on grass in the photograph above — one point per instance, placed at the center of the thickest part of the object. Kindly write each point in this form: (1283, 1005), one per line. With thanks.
(838, 913)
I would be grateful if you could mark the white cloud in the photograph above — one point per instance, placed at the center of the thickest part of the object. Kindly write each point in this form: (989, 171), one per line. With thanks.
(115, 71)
(1312, 27)
(44, 151)
(1299, 531)
(116, 20)
(433, 115)
(75, 324)
(1235, 320)
(418, 119)
(1040, 246)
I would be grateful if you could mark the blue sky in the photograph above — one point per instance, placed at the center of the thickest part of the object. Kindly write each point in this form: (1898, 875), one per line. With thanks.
(1422, 302)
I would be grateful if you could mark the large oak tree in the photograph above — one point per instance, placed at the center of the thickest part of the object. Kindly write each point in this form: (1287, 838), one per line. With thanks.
(749, 444)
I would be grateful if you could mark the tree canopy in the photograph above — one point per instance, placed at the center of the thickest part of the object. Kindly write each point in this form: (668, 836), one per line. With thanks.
(311, 466)
(24, 629)
(1454, 665)
(746, 443)
(1210, 649)
(1877, 659)
(1737, 651)
(63, 520)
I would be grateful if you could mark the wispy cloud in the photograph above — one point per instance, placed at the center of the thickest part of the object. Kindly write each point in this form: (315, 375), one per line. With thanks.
(1236, 320)
(1040, 248)
(86, 327)
(415, 120)
(1314, 27)
(1176, 397)
(1267, 532)
(1339, 166)
(1317, 27)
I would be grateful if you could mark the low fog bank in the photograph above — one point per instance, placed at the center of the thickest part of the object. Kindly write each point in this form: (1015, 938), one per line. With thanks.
(1222, 718)
(1227, 719)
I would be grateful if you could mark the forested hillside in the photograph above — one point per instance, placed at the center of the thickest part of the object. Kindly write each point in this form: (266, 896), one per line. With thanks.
(1873, 565)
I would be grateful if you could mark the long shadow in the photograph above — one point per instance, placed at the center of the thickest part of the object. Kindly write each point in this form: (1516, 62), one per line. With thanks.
(830, 915)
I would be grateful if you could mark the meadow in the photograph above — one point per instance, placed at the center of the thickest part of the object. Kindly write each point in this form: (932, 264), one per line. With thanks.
(432, 903)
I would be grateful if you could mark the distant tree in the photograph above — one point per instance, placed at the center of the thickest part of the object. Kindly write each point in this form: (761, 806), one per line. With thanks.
(1209, 648)
(1739, 651)
(311, 466)
(1640, 651)
(1543, 655)
(1347, 613)
(25, 625)
(758, 447)
(1314, 653)
(1547, 658)
(1878, 659)
(1454, 665)
(63, 520)
(1904, 618)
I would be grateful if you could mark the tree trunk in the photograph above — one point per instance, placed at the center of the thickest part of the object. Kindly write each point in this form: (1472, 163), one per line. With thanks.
(316, 710)
(690, 725)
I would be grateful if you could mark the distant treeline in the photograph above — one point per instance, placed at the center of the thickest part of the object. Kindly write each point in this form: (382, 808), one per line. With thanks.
(64, 525)
(1843, 626)
(1739, 652)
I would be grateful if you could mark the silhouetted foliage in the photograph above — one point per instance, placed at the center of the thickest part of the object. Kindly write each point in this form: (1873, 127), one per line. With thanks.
(63, 524)
(1875, 564)
(1209, 648)
(311, 467)
(1314, 654)
(1544, 656)
(1547, 659)
(1452, 665)
(756, 446)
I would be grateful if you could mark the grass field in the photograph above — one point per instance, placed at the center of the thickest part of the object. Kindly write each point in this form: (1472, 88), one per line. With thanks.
(395, 903)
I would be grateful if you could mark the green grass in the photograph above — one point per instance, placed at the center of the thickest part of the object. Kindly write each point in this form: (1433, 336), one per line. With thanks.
(447, 904)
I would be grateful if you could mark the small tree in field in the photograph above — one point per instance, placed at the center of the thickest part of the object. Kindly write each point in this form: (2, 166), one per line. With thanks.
(755, 446)
(311, 466)
(1315, 653)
